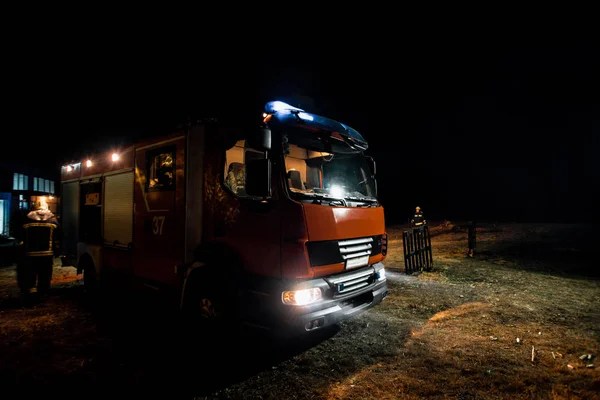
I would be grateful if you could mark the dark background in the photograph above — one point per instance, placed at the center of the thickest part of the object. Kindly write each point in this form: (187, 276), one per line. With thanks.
(479, 126)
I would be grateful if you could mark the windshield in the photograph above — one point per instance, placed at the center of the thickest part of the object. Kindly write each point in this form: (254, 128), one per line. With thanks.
(313, 173)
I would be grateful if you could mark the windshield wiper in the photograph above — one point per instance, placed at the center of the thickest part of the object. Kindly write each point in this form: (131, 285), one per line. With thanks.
(332, 201)
(319, 198)
(366, 201)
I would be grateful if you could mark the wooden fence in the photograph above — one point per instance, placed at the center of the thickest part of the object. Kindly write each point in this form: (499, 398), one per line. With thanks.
(417, 249)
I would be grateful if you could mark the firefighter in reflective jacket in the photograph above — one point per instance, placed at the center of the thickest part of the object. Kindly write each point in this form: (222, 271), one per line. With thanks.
(37, 249)
(418, 219)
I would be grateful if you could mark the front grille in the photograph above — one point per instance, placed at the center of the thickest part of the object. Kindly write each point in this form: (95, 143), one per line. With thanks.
(356, 252)
(334, 251)
(351, 282)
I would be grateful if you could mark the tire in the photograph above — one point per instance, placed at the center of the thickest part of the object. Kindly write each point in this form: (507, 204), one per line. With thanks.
(207, 307)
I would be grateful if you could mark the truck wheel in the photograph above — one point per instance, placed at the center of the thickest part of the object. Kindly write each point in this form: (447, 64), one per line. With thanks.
(206, 304)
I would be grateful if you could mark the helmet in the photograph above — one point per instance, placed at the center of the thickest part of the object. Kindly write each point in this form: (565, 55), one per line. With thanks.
(40, 205)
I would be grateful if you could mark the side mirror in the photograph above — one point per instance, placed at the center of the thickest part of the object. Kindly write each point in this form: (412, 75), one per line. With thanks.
(260, 139)
(372, 165)
(258, 178)
(373, 168)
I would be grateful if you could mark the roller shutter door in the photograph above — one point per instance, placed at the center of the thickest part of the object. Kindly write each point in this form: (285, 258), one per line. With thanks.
(118, 209)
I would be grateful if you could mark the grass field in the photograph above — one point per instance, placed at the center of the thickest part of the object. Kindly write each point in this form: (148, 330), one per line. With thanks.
(512, 322)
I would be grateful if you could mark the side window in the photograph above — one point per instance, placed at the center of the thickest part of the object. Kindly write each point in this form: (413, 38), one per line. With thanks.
(235, 167)
(160, 164)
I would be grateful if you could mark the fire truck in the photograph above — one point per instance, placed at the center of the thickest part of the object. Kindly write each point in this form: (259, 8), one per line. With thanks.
(276, 224)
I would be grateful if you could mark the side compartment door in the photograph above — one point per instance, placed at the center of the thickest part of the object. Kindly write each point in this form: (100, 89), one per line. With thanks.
(159, 210)
(118, 221)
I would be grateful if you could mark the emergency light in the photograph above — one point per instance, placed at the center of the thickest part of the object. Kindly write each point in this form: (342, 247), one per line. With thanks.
(273, 107)
(276, 106)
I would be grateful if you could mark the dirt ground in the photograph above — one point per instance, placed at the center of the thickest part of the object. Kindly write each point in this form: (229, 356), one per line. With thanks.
(512, 322)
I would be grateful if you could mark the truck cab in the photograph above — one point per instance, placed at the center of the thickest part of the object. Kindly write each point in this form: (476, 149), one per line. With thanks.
(309, 221)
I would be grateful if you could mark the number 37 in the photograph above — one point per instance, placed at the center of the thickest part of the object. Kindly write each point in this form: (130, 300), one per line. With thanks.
(157, 224)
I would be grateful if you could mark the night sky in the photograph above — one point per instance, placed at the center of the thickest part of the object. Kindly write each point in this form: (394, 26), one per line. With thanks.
(468, 127)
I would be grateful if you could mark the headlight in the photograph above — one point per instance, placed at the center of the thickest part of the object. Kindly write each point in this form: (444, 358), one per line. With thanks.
(301, 297)
(381, 274)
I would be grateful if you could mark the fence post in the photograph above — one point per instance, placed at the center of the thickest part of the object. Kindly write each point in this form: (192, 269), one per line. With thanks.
(405, 246)
(472, 238)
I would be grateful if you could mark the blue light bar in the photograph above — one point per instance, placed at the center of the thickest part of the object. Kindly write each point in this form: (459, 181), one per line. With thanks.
(276, 106)
(286, 114)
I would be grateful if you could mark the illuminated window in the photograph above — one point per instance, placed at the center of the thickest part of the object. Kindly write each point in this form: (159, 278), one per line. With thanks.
(3, 211)
(235, 167)
(43, 185)
(20, 182)
(161, 169)
(23, 205)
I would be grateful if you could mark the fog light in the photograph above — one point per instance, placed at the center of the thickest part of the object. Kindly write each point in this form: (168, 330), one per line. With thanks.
(314, 324)
(301, 297)
(381, 274)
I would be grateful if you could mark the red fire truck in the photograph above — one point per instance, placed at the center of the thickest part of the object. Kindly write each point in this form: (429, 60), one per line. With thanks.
(278, 224)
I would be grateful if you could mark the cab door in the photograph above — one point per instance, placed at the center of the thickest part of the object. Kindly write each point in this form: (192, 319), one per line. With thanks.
(250, 227)
(159, 210)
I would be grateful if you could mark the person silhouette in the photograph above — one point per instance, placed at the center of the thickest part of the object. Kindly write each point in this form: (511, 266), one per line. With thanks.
(418, 218)
(37, 247)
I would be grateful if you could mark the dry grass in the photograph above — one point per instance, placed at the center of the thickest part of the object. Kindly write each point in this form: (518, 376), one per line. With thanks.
(448, 333)
(452, 332)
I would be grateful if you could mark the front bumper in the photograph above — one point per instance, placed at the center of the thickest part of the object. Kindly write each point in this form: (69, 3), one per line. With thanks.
(344, 296)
